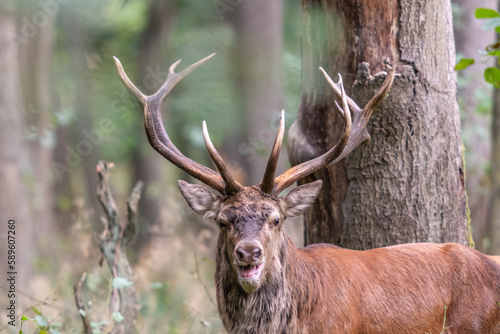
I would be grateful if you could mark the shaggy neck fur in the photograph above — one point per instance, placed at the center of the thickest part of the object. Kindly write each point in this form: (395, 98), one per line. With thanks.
(271, 309)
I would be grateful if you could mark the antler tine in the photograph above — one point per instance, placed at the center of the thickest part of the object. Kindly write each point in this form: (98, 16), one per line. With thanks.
(362, 116)
(128, 83)
(232, 185)
(306, 168)
(155, 130)
(174, 78)
(354, 134)
(382, 92)
(267, 185)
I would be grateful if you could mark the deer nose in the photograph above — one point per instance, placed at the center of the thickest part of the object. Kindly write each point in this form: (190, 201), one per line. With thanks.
(248, 253)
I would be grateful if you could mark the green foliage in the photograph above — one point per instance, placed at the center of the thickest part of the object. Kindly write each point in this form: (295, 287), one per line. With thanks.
(44, 323)
(486, 13)
(464, 63)
(492, 75)
(491, 21)
(120, 283)
(117, 316)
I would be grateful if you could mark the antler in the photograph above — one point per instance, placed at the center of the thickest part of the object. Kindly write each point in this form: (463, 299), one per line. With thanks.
(159, 140)
(351, 138)
(267, 185)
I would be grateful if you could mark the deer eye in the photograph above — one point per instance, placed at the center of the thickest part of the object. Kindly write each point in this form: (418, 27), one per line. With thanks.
(276, 222)
(224, 223)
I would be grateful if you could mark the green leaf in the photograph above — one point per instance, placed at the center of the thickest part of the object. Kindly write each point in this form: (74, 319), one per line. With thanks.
(41, 321)
(486, 13)
(94, 324)
(121, 282)
(54, 330)
(24, 318)
(490, 24)
(36, 310)
(117, 316)
(492, 75)
(464, 63)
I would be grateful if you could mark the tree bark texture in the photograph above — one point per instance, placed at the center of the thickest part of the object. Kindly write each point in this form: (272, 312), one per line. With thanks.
(407, 183)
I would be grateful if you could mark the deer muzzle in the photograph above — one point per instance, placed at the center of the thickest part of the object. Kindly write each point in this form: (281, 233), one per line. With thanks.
(249, 263)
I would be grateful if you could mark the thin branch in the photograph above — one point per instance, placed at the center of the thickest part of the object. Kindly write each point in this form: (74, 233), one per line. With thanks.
(201, 281)
(132, 203)
(80, 304)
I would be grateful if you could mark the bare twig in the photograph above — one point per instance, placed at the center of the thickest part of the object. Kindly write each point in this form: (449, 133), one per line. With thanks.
(201, 281)
(82, 309)
(130, 230)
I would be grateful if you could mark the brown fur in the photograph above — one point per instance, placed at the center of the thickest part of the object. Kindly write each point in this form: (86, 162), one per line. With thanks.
(496, 259)
(326, 289)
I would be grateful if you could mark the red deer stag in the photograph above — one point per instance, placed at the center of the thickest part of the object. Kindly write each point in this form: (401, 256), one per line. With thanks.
(266, 285)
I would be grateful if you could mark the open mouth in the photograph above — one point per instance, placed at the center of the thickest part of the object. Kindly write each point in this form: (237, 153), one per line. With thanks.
(250, 272)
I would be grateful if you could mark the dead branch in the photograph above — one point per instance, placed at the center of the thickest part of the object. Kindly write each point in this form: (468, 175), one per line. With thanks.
(124, 305)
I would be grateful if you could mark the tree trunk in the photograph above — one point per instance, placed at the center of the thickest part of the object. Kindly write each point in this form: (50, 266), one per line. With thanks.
(258, 53)
(493, 220)
(36, 60)
(494, 203)
(407, 183)
(85, 151)
(147, 163)
(14, 162)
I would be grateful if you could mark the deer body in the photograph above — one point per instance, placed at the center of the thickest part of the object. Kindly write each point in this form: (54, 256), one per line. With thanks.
(398, 289)
(266, 285)
(327, 289)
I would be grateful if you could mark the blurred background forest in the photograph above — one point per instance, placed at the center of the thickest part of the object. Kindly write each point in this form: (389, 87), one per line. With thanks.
(63, 108)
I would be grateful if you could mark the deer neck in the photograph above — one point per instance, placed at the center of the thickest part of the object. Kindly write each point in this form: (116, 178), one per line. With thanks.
(270, 306)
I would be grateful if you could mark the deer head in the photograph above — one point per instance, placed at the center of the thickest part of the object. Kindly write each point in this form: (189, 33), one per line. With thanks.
(251, 218)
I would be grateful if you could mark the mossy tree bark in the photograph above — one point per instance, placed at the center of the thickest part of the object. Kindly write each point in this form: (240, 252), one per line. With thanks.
(407, 183)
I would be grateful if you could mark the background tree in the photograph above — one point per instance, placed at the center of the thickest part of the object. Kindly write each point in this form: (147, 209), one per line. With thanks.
(257, 60)
(488, 19)
(408, 183)
(146, 162)
(14, 154)
(475, 96)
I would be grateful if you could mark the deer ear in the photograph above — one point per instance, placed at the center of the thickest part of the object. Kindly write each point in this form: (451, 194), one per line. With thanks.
(299, 199)
(200, 199)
